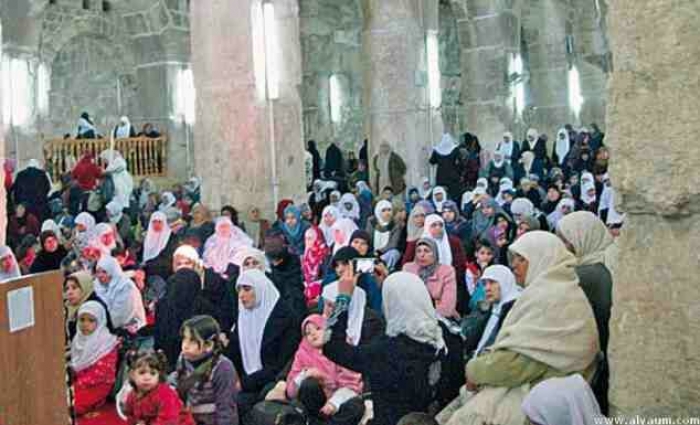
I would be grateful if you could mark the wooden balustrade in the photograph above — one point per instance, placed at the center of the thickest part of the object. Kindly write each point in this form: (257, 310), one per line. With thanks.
(145, 157)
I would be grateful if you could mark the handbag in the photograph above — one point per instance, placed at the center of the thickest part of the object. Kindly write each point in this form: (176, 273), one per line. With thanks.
(277, 413)
(473, 326)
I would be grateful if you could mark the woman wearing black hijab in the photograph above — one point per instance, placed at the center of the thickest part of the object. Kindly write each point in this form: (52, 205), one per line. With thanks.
(185, 299)
(232, 213)
(311, 148)
(51, 254)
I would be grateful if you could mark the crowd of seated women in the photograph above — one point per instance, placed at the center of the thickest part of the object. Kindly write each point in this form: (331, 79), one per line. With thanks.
(486, 307)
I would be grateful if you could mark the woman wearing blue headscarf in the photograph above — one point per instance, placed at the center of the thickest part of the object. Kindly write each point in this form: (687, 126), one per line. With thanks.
(294, 229)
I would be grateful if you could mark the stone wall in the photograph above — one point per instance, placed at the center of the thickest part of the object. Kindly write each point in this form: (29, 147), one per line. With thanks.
(331, 44)
(491, 32)
(132, 48)
(655, 328)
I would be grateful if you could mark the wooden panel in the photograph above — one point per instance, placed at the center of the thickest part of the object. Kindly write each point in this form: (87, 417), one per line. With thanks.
(32, 364)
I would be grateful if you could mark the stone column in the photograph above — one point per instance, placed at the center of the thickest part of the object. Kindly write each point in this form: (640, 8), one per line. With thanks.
(396, 96)
(3, 194)
(233, 148)
(490, 35)
(545, 32)
(655, 328)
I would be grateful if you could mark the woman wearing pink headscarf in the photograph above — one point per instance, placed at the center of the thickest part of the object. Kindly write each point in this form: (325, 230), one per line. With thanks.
(318, 383)
(315, 255)
(221, 247)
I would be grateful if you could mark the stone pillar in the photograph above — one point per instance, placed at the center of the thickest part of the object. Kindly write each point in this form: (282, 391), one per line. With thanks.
(592, 58)
(655, 328)
(396, 95)
(233, 142)
(490, 35)
(545, 32)
(3, 195)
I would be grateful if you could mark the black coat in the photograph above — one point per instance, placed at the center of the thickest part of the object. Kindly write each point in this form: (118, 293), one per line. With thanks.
(334, 161)
(448, 173)
(289, 281)
(32, 187)
(216, 291)
(280, 341)
(596, 282)
(184, 299)
(162, 264)
(316, 162)
(396, 368)
(47, 261)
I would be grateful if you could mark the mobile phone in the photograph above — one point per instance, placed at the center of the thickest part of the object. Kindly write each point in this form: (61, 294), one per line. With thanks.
(364, 265)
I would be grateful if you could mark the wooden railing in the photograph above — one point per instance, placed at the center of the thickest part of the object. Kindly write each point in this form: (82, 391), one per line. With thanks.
(146, 157)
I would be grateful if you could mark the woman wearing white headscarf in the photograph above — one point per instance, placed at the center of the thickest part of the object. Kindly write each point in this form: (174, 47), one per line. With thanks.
(117, 170)
(356, 310)
(439, 197)
(425, 188)
(157, 236)
(334, 198)
(508, 148)
(86, 128)
(588, 238)
(328, 218)
(94, 355)
(416, 223)
(446, 158)
(105, 238)
(589, 199)
(562, 401)
(83, 234)
(264, 338)
(221, 247)
(560, 153)
(168, 206)
(341, 232)
(564, 207)
(122, 223)
(441, 240)
(9, 268)
(505, 185)
(402, 367)
(501, 301)
(124, 129)
(121, 295)
(158, 247)
(349, 207)
(385, 233)
(549, 332)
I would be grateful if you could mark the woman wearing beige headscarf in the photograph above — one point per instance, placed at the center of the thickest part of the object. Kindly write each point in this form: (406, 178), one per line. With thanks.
(585, 235)
(549, 332)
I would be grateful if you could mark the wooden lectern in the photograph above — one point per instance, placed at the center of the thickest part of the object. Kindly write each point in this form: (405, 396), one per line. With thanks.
(32, 364)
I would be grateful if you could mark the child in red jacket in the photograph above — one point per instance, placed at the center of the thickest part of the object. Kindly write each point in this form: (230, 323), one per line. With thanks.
(153, 402)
